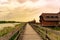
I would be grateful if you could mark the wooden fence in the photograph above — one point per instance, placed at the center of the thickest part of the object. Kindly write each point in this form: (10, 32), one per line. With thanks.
(9, 35)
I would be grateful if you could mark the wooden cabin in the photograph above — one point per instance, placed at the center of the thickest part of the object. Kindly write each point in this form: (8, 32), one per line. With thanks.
(50, 19)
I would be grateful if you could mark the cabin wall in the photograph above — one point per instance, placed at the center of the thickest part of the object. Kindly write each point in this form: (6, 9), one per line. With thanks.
(47, 23)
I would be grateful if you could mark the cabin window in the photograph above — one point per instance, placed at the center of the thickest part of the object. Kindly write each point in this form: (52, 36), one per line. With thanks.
(52, 16)
(47, 16)
(56, 16)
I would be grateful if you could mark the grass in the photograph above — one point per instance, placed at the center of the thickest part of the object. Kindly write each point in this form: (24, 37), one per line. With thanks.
(55, 28)
(14, 36)
(20, 26)
(52, 27)
(40, 32)
(54, 36)
(5, 31)
(51, 34)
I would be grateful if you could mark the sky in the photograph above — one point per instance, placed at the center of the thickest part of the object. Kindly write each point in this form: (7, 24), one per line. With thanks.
(27, 10)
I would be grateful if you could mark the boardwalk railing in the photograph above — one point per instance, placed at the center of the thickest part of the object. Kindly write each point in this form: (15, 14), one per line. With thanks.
(13, 35)
(46, 32)
(43, 34)
(21, 31)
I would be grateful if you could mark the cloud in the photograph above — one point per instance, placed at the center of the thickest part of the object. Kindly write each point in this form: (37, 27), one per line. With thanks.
(27, 10)
(29, 3)
(3, 1)
(54, 3)
(26, 3)
(21, 1)
(34, 0)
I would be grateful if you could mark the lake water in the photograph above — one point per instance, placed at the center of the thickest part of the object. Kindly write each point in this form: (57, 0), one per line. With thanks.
(7, 25)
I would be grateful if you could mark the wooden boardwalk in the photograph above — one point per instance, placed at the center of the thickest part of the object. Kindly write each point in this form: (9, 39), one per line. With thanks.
(30, 34)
